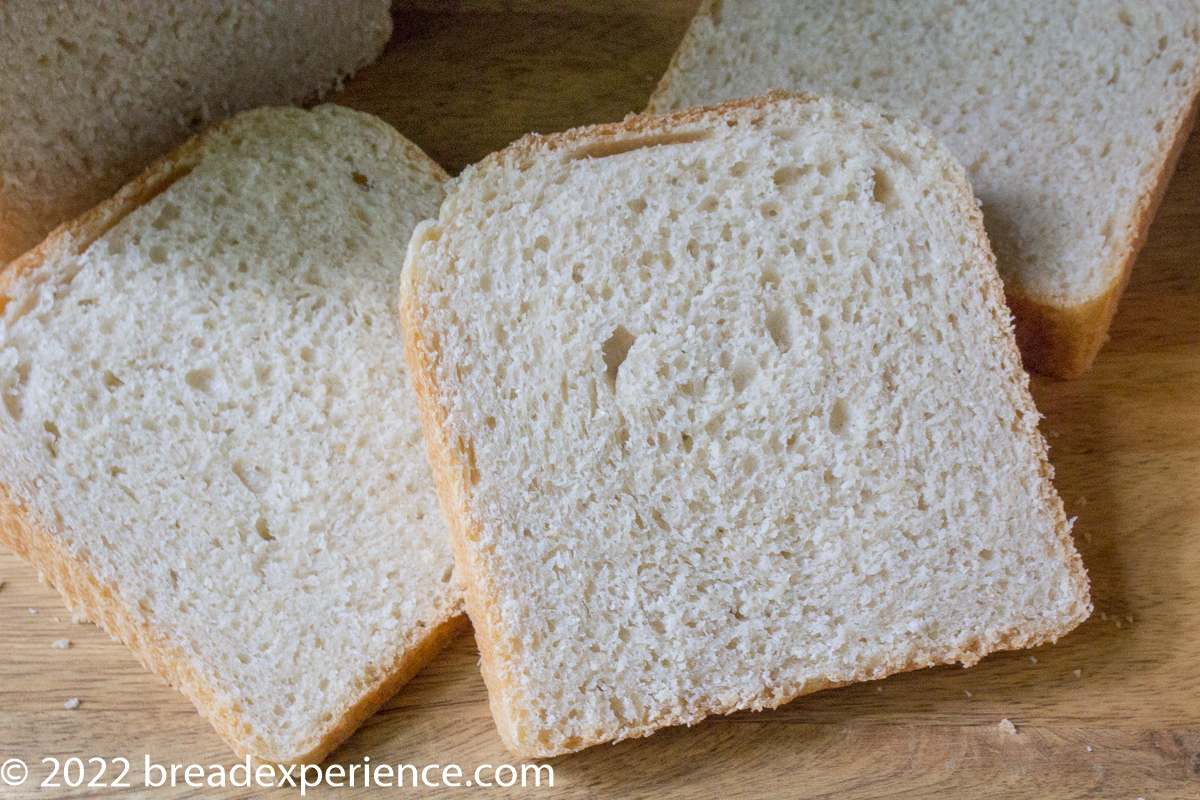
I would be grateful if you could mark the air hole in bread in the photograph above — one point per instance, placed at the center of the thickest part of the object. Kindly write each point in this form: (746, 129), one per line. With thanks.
(169, 214)
(615, 350)
(777, 327)
(263, 531)
(838, 416)
(52, 429)
(743, 373)
(200, 379)
(612, 147)
(789, 176)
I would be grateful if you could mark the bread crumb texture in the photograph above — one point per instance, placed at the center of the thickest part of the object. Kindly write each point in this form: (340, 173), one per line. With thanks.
(738, 415)
(1062, 111)
(207, 408)
(93, 92)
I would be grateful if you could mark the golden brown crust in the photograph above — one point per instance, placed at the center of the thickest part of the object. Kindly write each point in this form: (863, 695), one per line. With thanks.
(72, 573)
(450, 475)
(1055, 337)
(1063, 340)
(452, 471)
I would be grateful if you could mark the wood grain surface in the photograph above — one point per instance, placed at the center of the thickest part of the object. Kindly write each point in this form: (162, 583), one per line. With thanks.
(1112, 710)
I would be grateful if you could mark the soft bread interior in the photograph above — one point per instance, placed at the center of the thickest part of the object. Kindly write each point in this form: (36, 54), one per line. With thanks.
(739, 415)
(208, 408)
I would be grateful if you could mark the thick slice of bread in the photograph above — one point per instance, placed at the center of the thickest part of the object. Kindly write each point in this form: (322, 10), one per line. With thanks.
(207, 437)
(93, 92)
(1069, 117)
(725, 407)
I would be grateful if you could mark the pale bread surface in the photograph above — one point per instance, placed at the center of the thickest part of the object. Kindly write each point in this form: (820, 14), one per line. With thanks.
(207, 437)
(725, 407)
(1068, 115)
(95, 91)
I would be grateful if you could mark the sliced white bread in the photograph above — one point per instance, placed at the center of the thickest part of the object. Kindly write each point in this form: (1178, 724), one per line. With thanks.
(1068, 115)
(208, 442)
(92, 92)
(725, 407)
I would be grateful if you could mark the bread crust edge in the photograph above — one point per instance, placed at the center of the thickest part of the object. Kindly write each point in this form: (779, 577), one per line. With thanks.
(1063, 340)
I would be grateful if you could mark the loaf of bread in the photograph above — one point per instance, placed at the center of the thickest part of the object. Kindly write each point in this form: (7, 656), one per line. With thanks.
(207, 437)
(1069, 117)
(93, 92)
(724, 407)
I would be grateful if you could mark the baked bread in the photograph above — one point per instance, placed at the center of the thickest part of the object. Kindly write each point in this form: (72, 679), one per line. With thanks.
(724, 407)
(93, 92)
(207, 438)
(1068, 116)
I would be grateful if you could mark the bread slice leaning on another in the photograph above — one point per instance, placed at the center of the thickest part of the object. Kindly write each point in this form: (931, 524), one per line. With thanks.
(1068, 116)
(725, 407)
(208, 442)
(92, 92)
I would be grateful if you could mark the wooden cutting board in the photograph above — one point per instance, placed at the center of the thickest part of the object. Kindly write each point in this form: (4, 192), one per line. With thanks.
(1113, 710)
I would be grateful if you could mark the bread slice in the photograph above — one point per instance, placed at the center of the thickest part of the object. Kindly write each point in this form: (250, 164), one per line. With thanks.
(724, 407)
(207, 437)
(1069, 117)
(93, 92)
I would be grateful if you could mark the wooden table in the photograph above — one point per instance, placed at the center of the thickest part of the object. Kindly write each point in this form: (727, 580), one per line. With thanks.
(1113, 710)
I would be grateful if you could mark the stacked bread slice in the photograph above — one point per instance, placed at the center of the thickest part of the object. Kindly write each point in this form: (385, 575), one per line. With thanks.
(725, 407)
(93, 92)
(1068, 117)
(207, 437)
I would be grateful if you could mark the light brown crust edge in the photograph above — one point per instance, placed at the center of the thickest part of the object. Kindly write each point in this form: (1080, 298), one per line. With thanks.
(450, 463)
(78, 583)
(1055, 338)
(1064, 340)
(450, 475)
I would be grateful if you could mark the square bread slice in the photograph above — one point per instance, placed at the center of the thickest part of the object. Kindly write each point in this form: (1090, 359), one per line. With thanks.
(95, 91)
(1068, 116)
(724, 407)
(207, 438)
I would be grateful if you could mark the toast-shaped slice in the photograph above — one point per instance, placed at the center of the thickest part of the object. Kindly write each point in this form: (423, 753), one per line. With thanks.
(725, 407)
(207, 438)
(1068, 116)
